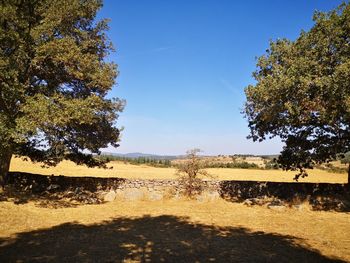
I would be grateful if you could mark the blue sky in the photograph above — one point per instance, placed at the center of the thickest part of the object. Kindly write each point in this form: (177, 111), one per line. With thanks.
(184, 66)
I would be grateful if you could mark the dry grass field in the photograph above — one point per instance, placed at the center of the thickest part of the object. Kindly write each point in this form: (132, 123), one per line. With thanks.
(123, 170)
(171, 231)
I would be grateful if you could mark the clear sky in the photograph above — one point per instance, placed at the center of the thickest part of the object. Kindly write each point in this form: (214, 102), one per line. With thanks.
(184, 66)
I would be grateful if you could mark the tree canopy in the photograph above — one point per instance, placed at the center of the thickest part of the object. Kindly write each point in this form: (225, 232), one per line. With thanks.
(302, 93)
(54, 79)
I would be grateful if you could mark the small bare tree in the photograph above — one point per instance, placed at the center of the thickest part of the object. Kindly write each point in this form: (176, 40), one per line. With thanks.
(189, 170)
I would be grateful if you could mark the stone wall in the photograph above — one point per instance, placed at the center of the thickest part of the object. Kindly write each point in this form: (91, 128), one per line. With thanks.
(241, 190)
(319, 196)
(108, 189)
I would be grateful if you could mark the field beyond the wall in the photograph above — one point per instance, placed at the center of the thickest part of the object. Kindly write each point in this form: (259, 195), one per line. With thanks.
(129, 171)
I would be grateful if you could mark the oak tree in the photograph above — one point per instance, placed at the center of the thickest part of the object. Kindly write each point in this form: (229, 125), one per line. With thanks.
(302, 93)
(54, 79)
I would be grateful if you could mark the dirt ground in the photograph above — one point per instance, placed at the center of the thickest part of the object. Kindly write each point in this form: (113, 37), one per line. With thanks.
(171, 231)
(129, 171)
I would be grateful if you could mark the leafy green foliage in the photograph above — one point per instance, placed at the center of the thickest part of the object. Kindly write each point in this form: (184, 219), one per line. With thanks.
(302, 93)
(54, 80)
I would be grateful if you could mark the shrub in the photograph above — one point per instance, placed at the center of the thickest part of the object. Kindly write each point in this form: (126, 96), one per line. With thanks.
(271, 165)
(189, 170)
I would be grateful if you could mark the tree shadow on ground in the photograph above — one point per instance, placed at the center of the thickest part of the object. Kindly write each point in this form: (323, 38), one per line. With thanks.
(154, 239)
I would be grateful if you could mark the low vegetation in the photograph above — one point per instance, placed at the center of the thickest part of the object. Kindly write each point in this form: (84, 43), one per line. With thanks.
(189, 172)
(241, 165)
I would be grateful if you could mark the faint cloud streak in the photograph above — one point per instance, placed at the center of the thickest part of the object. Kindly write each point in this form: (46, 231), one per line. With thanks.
(225, 83)
(160, 49)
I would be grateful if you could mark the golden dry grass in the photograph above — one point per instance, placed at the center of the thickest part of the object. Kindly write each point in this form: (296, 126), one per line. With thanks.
(123, 170)
(172, 231)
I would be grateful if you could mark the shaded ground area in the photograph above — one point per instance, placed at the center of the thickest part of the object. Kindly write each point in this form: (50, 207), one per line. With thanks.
(157, 239)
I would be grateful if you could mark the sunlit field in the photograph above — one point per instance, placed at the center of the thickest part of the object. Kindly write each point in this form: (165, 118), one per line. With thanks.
(191, 230)
(171, 231)
(124, 170)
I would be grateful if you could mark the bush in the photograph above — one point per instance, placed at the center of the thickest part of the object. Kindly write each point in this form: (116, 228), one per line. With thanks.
(188, 171)
(272, 165)
(331, 168)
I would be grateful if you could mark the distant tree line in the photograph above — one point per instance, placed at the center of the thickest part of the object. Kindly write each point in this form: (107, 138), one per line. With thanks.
(269, 164)
(167, 163)
(241, 165)
(137, 161)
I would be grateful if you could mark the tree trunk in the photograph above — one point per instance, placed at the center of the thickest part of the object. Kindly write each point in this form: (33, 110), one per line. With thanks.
(5, 159)
(348, 185)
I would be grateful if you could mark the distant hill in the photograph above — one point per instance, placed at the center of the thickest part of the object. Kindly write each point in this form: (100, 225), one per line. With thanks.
(145, 155)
